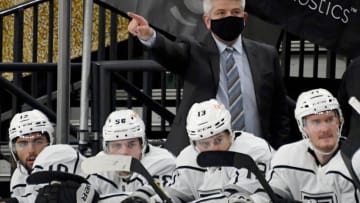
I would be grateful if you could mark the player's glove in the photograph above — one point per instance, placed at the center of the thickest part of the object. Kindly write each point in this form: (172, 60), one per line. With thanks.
(67, 192)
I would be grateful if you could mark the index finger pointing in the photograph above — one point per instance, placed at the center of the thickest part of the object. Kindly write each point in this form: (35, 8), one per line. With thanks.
(141, 20)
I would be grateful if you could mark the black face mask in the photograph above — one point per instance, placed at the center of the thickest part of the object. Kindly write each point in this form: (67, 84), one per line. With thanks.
(229, 28)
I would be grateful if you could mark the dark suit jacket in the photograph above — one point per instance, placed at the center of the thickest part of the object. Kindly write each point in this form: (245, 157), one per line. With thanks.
(198, 64)
(350, 86)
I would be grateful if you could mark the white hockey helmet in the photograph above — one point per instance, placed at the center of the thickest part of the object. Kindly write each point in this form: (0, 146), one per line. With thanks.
(207, 119)
(314, 102)
(30, 122)
(124, 124)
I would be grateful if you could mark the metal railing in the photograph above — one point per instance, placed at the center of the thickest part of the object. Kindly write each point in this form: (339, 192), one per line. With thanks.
(306, 66)
(17, 14)
(22, 95)
(113, 75)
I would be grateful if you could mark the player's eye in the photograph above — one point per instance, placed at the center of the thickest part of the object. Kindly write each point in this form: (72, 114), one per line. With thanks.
(40, 142)
(22, 144)
(203, 144)
(131, 144)
(218, 140)
(115, 146)
(315, 122)
(330, 119)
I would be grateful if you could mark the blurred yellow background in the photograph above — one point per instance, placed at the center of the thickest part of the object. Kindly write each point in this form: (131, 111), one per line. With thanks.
(76, 31)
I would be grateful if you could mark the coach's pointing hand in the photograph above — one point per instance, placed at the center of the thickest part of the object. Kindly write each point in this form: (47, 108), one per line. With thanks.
(139, 27)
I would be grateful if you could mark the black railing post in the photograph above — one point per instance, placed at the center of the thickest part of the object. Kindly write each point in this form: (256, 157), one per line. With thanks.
(95, 99)
(286, 54)
(1, 39)
(18, 35)
(147, 88)
(104, 94)
(316, 61)
(113, 36)
(34, 76)
(130, 75)
(101, 34)
(330, 64)
(50, 75)
(18, 54)
(301, 58)
(163, 98)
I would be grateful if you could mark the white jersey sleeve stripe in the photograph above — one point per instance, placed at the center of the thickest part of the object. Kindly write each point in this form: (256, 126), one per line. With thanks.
(192, 168)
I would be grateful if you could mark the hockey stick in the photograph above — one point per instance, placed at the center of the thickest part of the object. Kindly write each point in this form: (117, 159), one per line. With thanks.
(106, 162)
(355, 104)
(42, 177)
(237, 160)
(110, 162)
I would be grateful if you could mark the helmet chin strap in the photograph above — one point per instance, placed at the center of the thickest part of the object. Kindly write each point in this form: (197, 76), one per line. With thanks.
(19, 165)
(23, 169)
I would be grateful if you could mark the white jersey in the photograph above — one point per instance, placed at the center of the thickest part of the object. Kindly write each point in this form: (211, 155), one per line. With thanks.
(18, 181)
(159, 162)
(297, 175)
(192, 182)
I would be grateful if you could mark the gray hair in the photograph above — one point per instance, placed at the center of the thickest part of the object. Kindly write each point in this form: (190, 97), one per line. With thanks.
(207, 5)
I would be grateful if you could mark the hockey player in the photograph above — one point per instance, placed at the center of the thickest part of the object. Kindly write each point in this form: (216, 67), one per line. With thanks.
(312, 169)
(124, 134)
(29, 133)
(209, 128)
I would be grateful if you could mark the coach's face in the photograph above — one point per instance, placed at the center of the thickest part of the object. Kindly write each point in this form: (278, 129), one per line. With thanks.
(218, 20)
(322, 130)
